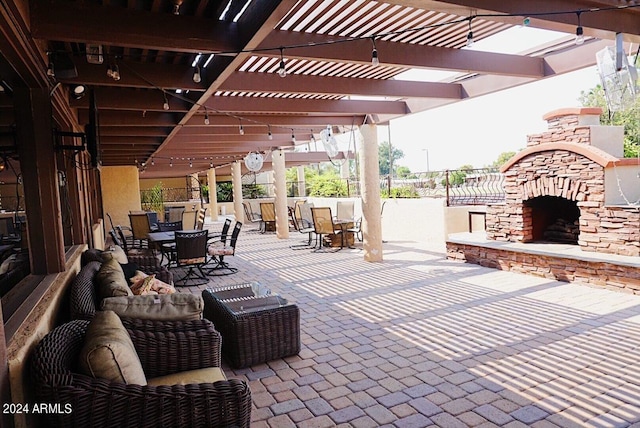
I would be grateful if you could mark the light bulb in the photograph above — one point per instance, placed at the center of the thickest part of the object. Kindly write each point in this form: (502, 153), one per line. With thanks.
(241, 130)
(282, 71)
(153, 162)
(196, 75)
(110, 72)
(190, 164)
(50, 70)
(206, 119)
(293, 137)
(210, 164)
(270, 136)
(171, 162)
(374, 57)
(470, 39)
(115, 73)
(165, 106)
(579, 35)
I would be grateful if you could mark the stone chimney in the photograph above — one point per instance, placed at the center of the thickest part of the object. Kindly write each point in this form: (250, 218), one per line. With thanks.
(580, 125)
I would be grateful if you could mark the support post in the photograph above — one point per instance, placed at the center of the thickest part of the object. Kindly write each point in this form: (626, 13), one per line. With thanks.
(213, 194)
(236, 178)
(370, 182)
(280, 187)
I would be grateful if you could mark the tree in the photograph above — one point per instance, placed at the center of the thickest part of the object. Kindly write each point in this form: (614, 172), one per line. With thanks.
(404, 172)
(502, 159)
(628, 118)
(386, 151)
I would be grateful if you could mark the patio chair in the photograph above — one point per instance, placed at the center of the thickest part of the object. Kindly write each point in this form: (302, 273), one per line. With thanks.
(268, 215)
(323, 225)
(344, 210)
(125, 235)
(140, 229)
(304, 224)
(162, 348)
(202, 214)
(191, 254)
(217, 251)
(168, 249)
(252, 217)
(173, 214)
(189, 220)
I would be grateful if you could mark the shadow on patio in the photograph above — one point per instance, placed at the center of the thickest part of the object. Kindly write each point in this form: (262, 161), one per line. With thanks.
(418, 340)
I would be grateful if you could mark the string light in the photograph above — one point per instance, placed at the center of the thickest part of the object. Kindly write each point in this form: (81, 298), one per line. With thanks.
(153, 162)
(374, 53)
(165, 106)
(282, 71)
(270, 135)
(206, 118)
(293, 136)
(197, 78)
(579, 31)
(470, 34)
(171, 163)
(50, 68)
(241, 128)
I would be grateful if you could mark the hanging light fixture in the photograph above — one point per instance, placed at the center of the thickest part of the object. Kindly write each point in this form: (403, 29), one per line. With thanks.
(206, 117)
(470, 34)
(254, 161)
(579, 31)
(50, 67)
(282, 71)
(165, 106)
(374, 53)
(197, 78)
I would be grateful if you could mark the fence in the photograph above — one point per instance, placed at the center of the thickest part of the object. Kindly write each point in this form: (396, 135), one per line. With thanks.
(460, 187)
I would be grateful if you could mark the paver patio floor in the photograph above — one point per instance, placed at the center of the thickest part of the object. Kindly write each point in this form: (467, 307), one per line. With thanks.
(420, 341)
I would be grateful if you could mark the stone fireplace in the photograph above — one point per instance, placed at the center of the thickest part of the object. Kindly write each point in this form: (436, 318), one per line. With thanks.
(557, 190)
(570, 185)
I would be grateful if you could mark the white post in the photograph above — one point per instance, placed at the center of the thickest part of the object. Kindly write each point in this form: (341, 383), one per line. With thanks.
(213, 195)
(236, 179)
(280, 188)
(370, 188)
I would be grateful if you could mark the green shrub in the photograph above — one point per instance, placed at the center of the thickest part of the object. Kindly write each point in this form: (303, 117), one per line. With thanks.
(402, 192)
(327, 186)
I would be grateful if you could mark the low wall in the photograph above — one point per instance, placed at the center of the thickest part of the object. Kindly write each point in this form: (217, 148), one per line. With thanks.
(612, 274)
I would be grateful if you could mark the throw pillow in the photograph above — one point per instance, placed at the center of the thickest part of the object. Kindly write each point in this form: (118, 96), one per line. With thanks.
(165, 307)
(8, 264)
(110, 280)
(156, 287)
(130, 269)
(108, 352)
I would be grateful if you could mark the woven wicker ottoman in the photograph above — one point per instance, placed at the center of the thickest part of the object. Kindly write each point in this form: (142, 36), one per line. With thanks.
(256, 326)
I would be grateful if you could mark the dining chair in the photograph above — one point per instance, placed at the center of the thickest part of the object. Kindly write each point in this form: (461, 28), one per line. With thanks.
(174, 214)
(168, 249)
(202, 214)
(303, 222)
(189, 220)
(344, 210)
(191, 254)
(268, 214)
(217, 252)
(323, 225)
(140, 229)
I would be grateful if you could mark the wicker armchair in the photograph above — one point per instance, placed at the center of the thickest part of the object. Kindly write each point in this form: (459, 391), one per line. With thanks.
(163, 348)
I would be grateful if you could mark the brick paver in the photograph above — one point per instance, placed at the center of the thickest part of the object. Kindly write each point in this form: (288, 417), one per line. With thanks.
(420, 341)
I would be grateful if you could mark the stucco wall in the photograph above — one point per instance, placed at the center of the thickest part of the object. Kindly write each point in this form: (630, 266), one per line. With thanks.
(120, 192)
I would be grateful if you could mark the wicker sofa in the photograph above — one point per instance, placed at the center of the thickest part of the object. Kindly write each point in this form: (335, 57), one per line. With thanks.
(162, 348)
(84, 298)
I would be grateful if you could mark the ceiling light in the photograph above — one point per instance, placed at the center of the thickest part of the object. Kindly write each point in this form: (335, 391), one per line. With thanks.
(196, 75)
(165, 106)
(196, 60)
(79, 91)
(208, 60)
(237, 17)
(282, 70)
(374, 53)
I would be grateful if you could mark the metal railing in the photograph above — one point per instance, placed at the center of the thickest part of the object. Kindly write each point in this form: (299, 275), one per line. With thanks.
(478, 186)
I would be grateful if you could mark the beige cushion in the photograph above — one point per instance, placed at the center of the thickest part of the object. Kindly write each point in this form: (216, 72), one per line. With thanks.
(164, 307)
(108, 352)
(117, 253)
(111, 281)
(207, 375)
(141, 284)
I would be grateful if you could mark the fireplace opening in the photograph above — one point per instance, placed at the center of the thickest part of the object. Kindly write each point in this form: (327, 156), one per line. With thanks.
(554, 219)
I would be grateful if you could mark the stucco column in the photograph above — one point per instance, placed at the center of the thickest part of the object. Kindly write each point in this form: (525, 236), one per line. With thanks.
(213, 195)
(280, 188)
(302, 184)
(236, 180)
(370, 188)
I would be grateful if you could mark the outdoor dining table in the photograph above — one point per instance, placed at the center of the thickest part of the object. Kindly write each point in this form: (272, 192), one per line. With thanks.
(346, 238)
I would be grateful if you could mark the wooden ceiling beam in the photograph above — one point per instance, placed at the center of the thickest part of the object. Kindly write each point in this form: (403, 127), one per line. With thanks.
(319, 47)
(305, 84)
(84, 22)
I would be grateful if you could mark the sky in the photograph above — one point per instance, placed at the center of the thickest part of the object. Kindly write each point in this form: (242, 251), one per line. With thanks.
(475, 131)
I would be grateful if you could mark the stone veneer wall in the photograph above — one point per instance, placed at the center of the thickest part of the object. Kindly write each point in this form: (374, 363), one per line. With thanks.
(609, 275)
(567, 174)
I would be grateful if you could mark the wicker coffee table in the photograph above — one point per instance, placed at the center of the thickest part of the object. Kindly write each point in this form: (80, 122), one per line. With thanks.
(256, 326)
